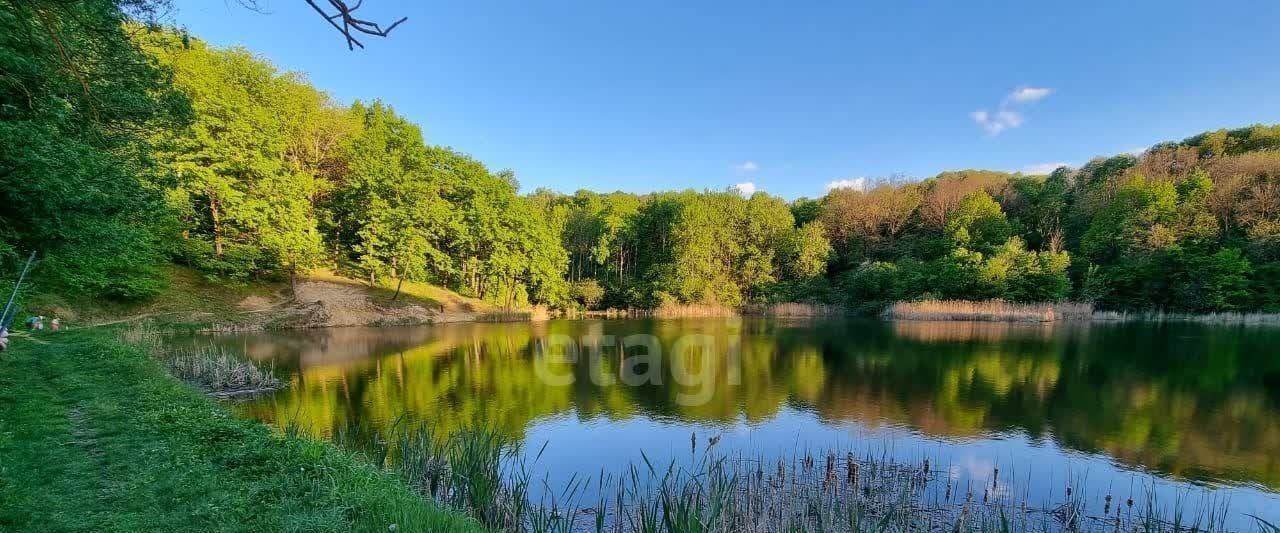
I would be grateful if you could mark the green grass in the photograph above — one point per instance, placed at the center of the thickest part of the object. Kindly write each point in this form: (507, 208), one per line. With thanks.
(96, 436)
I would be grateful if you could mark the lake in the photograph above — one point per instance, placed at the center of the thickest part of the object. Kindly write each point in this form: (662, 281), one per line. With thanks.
(1188, 412)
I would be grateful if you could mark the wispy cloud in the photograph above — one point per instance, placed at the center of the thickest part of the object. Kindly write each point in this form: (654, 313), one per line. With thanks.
(1040, 169)
(1009, 114)
(745, 188)
(997, 122)
(1029, 94)
(747, 166)
(857, 184)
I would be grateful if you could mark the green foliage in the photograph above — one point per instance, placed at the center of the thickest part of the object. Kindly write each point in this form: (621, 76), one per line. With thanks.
(272, 178)
(240, 182)
(879, 282)
(1266, 287)
(387, 212)
(806, 251)
(77, 100)
(979, 223)
(588, 293)
(1138, 219)
(1020, 275)
(1231, 142)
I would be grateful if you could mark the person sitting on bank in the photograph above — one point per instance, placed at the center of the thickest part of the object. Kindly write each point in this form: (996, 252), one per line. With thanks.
(36, 322)
(55, 324)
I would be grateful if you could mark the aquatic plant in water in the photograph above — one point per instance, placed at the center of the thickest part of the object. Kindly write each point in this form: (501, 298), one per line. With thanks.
(482, 473)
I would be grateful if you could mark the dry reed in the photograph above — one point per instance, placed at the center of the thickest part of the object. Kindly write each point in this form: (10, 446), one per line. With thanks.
(988, 311)
(214, 369)
(677, 310)
(1247, 319)
(794, 309)
(220, 372)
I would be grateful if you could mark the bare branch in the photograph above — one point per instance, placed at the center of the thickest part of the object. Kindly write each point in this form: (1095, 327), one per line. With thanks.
(344, 20)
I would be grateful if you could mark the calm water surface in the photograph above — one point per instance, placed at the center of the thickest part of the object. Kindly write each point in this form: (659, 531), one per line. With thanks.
(1192, 411)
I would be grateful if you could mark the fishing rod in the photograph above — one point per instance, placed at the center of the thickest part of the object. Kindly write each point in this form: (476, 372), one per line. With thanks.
(5, 319)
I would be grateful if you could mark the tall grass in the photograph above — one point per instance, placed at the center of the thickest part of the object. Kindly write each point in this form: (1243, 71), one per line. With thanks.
(484, 474)
(477, 471)
(988, 311)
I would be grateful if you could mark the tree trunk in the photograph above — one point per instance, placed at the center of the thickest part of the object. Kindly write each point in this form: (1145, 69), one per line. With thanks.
(217, 226)
(398, 285)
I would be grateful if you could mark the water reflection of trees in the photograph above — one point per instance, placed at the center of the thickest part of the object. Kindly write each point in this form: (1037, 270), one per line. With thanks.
(1189, 400)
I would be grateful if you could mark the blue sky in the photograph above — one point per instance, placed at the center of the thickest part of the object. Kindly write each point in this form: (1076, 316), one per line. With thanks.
(787, 96)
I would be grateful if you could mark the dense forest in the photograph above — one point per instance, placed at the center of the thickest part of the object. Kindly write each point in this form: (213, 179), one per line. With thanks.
(128, 147)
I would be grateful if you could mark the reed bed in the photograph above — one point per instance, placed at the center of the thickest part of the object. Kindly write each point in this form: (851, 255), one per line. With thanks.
(793, 309)
(534, 314)
(988, 311)
(221, 372)
(613, 312)
(479, 472)
(216, 370)
(1247, 319)
(677, 310)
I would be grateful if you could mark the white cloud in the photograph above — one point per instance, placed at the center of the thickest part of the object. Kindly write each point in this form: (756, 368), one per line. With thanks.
(1040, 169)
(745, 188)
(748, 166)
(857, 184)
(1009, 114)
(1028, 94)
(997, 122)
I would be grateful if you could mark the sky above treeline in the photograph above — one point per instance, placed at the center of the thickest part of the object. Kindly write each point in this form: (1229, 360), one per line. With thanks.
(784, 97)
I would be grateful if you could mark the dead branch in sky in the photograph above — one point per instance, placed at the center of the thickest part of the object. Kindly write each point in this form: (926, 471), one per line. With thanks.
(345, 21)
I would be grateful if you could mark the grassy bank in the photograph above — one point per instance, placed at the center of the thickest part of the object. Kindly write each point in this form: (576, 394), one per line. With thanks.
(96, 436)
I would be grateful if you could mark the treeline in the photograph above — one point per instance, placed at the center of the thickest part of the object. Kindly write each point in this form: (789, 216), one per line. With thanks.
(717, 248)
(1189, 226)
(129, 146)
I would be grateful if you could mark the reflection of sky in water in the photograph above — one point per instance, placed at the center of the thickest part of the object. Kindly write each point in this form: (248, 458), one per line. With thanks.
(1089, 407)
(1038, 470)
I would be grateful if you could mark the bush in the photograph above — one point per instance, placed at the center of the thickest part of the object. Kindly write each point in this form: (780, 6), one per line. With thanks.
(588, 293)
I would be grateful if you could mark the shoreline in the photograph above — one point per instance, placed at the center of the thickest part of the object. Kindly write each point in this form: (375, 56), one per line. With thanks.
(1020, 313)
